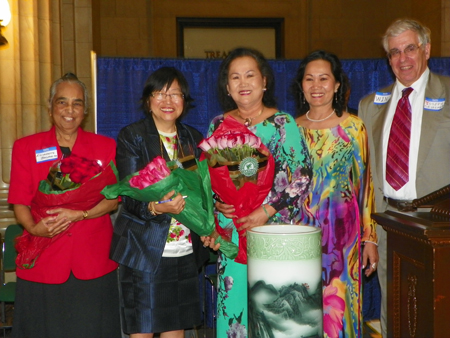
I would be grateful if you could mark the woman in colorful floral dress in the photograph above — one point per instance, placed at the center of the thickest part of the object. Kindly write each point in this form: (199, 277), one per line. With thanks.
(342, 198)
(246, 88)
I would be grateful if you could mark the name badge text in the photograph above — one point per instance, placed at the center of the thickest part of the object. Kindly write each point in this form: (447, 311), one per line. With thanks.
(381, 98)
(46, 154)
(433, 104)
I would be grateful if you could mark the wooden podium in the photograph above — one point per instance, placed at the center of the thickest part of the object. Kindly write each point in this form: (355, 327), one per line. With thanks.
(418, 276)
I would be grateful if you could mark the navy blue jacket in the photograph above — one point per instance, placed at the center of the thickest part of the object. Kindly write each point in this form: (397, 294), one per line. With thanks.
(139, 237)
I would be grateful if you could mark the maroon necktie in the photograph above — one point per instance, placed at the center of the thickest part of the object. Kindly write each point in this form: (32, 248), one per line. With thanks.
(397, 160)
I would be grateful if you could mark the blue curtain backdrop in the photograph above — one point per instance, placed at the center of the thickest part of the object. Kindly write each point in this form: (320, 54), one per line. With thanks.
(120, 82)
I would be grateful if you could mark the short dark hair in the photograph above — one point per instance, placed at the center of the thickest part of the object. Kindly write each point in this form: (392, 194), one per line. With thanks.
(226, 101)
(339, 104)
(70, 78)
(164, 77)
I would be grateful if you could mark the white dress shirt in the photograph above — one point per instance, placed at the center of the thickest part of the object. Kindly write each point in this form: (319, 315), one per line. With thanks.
(416, 99)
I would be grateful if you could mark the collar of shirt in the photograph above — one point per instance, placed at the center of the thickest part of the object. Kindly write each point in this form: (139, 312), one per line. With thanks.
(418, 86)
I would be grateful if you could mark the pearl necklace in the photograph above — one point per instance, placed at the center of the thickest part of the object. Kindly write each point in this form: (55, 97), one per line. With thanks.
(248, 120)
(312, 120)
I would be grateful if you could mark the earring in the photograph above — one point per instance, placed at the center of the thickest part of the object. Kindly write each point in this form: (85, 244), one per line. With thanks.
(229, 94)
(335, 97)
(264, 89)
(304, 100)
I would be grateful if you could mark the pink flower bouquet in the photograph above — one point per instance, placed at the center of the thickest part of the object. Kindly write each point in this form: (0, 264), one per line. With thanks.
(156, 180)
(241, 169)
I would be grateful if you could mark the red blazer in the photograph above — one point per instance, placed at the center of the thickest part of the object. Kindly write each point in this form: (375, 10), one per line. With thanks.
(84, 249)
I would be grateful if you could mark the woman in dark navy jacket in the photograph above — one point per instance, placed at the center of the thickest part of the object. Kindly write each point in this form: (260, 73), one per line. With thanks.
(159, 257)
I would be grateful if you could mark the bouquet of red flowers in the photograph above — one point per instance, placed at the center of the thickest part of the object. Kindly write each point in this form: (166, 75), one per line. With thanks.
(241, 170)
(83, 181)
(156, 180)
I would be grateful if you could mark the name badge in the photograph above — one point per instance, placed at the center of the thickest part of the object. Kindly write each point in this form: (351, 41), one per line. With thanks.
(46, 154)
(381, 98)
(433, 104)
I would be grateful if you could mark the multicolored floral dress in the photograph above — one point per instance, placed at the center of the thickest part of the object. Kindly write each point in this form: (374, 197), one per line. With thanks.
(340, 203)
(281, 136)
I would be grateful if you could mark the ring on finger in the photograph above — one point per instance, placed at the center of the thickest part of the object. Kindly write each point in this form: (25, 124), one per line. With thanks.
(374, 266)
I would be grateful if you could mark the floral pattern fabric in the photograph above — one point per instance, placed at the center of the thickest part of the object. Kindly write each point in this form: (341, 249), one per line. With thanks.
(179, 235)
(281, 136)
(178, 232)
(340, 203)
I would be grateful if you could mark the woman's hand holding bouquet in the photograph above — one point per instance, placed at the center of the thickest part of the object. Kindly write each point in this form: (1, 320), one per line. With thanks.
(156, 184)
(73, 186)
(241, 170)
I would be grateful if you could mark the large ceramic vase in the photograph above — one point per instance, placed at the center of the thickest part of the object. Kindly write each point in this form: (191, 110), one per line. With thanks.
(284, 281)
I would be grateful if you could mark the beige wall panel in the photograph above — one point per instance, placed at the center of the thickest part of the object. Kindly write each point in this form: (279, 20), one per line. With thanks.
(143, 28)
(83, 60)
(355, 23)
(82, 3)
(8, 126)
(30, 118)
(131, 9)
(55, 41)
(126, 28)
(108, 48)
(69, 58)
(5, 168)
(67, 19)
(83, 24)
(131, 48)
(163, 27)
(109, 28)
(108, 7)
(7, 91)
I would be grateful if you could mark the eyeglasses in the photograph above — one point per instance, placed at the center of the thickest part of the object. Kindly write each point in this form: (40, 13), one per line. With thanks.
(176, 97)
(409, 51)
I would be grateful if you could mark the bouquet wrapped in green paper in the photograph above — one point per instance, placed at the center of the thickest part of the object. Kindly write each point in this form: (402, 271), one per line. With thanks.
(156, 180)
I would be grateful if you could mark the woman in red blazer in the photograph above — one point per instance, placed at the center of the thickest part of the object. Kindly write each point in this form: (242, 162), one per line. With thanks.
(71, 291)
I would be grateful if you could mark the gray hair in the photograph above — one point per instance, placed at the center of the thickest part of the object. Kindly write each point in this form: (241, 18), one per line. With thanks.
(70, 78)
(402, 25)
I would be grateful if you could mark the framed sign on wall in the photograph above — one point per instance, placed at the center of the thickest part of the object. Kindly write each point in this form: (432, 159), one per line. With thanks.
(213, 38)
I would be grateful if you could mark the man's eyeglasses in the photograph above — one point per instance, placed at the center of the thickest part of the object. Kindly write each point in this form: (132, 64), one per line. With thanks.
(409, 51)
(175, 97)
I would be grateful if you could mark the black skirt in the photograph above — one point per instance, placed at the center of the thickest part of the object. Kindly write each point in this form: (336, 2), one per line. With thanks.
(164, 301)
(76, 308)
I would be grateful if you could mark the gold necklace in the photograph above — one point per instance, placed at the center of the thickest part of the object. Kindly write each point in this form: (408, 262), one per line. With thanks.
(248, 120)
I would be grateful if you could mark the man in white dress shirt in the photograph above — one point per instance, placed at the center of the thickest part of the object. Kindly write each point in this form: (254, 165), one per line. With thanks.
(408, 44)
